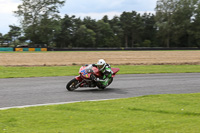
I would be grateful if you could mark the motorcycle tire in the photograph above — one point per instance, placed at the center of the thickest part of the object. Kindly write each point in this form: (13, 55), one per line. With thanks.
(101, 87)
(71, 85)
(111, 80)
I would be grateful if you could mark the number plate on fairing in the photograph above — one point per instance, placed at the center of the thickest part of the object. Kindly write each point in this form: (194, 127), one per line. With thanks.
(84, 73)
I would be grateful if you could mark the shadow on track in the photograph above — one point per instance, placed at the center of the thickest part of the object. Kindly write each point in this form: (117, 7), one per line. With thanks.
(96, 90)
(107, 90)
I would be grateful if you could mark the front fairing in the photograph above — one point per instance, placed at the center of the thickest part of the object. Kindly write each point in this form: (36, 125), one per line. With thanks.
(86, 71)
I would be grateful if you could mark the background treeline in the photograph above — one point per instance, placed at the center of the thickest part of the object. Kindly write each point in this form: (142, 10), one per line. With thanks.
(176, 23)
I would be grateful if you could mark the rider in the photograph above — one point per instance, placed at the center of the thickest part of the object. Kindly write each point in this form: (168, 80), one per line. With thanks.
(106, 71)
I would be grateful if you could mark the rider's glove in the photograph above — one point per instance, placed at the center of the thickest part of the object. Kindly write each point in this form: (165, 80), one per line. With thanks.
(94, 65)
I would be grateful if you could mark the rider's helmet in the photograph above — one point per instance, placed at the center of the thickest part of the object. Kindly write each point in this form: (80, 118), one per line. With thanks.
(101, 64)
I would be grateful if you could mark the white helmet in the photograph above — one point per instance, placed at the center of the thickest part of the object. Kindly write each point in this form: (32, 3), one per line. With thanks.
(101, 64)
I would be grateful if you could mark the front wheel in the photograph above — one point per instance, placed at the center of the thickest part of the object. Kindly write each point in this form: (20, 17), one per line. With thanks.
(71, 85)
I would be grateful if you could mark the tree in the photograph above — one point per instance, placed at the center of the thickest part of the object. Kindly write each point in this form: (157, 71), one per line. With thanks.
(182, 18)
(85, 37)
(90, 23)
(32, 12)
(14, 33)
(46, 31)
(7, 39)
(117, 31)
(105, 19)
(131, 24)
(164, 13)
(126, 26)
(195, 25)
(104, 34)
(148, 33)
(1, 38)
(175, 19)
(66, 35)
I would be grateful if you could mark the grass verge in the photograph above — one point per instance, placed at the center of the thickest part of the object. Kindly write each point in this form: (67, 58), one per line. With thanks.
(153, 113)
(45, 71)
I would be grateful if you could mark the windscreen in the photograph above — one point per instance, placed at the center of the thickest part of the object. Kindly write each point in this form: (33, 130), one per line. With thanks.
(89, 68)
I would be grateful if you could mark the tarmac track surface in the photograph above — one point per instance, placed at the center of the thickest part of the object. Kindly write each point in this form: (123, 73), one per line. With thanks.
(16, 92)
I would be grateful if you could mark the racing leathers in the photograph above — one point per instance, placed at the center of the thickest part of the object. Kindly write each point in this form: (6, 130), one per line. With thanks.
(106, 75)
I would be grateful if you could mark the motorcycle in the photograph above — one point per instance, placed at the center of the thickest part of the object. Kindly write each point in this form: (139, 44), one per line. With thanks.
(88, 75)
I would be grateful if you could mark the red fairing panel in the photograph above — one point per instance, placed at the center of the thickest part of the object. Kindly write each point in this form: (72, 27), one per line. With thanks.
(115, 70)
(78, 78)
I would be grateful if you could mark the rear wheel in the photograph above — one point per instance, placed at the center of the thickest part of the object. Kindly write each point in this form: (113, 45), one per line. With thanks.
(71, 85)
(111, 80)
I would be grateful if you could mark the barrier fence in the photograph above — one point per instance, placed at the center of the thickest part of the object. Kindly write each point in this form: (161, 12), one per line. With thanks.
(97, 49)
(30, 49)
(6, 49)
(22, 49)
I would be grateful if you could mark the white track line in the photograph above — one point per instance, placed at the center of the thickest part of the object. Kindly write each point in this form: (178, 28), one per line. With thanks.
(46, 104)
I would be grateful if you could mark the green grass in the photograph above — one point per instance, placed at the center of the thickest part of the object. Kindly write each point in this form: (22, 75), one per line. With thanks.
(155, 114)
(45, 71)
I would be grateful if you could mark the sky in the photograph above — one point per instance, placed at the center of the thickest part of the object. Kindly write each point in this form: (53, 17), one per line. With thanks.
(96, 9)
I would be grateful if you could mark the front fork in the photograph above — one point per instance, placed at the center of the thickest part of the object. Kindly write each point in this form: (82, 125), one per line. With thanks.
(78, 78)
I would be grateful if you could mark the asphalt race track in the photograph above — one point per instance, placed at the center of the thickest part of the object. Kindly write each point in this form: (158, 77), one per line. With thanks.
(43, 90)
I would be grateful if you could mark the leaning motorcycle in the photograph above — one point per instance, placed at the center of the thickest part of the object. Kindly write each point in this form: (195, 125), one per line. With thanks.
(87, 78)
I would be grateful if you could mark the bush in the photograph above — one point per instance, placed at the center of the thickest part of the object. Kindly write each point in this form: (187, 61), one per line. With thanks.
(146, 43)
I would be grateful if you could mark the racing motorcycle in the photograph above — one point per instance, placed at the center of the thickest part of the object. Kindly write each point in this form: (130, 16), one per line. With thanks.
(88, 75)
